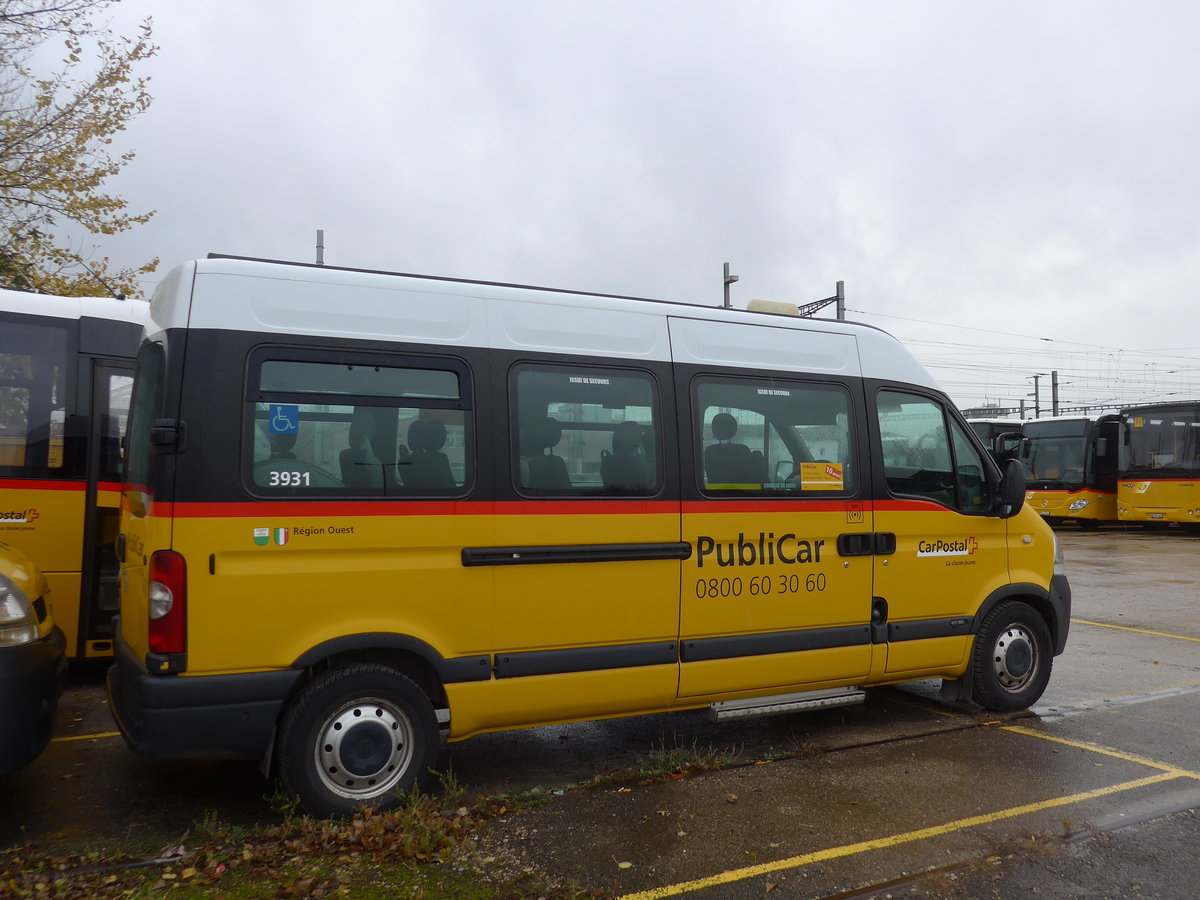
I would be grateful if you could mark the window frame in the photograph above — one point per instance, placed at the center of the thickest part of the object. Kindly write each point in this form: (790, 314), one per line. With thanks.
(590, 368)
(949, 423)
(850, 489)
(253, 394)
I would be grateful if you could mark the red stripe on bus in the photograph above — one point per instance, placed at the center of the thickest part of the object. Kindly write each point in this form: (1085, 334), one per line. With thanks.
(43, 484)
(327, 508)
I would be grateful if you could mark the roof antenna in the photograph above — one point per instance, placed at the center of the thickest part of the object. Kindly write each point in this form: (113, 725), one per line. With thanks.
(729, 279)
(107, 286)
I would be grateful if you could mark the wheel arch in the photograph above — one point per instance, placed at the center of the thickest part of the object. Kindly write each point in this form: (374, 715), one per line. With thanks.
(1051, 605)
(409, 655)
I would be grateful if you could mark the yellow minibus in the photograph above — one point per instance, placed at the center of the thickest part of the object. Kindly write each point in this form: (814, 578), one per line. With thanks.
(363, 507)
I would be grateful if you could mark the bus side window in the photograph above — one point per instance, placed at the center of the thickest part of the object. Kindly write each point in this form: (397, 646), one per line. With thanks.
(972, 480)
(919, 462)
(585, 431)
(773, 437)
(923, 458)
(370, 425)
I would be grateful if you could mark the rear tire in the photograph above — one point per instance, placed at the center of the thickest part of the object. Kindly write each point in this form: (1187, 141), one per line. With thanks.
(359, 736)
(1012, 658)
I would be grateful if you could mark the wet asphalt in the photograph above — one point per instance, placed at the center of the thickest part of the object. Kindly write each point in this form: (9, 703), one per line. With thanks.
(1095, 792)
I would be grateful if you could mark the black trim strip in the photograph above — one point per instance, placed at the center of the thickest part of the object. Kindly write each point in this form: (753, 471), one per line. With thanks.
(573, 553)
(453, 670)
(734, 646)
(586, 659)
(928, 628)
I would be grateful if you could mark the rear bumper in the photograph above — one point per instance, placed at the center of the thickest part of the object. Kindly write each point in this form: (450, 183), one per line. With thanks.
(31, 679)
(196, 716)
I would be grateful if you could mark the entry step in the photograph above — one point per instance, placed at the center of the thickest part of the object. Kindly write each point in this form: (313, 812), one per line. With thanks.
(779, 703)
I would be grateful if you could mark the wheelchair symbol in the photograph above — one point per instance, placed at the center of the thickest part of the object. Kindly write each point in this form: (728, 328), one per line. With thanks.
(283, 418)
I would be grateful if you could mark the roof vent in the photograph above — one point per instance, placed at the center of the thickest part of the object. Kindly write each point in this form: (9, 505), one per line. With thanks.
(776, 307)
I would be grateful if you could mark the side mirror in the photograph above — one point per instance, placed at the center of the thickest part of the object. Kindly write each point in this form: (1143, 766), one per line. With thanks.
(1012, 488)
(1007, 445)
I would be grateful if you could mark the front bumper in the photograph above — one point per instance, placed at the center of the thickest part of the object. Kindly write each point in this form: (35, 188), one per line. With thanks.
(31, 680)
(1060, 600)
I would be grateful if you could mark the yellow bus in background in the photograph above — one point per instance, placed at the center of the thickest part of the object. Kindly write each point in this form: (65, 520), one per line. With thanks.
(1159, 480)
(360, 507)
(66, 372)
(1071, 468)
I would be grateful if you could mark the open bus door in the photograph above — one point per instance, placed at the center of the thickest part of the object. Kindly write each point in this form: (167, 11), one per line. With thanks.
(112, 383)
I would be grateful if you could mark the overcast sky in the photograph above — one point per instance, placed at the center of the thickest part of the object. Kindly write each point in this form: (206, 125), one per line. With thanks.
(1014, 170)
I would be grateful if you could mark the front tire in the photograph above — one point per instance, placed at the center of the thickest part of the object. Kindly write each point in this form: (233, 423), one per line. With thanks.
(355, 737)
(1012, 658)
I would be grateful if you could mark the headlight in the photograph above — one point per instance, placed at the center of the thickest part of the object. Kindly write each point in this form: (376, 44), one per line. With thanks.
(1078, 505)
(18, 623)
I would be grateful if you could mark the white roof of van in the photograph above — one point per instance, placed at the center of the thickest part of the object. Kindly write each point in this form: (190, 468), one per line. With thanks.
(267, 297)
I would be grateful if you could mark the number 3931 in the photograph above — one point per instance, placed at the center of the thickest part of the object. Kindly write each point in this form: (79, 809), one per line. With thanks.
(290, 479)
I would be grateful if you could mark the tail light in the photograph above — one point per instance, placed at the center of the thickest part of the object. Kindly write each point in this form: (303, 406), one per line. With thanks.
(168, 603)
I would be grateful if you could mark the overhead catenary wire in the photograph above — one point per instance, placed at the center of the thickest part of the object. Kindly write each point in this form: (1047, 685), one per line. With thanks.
(1000, 373)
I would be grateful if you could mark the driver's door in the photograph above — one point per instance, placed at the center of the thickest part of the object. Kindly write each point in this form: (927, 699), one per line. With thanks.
(939, 553)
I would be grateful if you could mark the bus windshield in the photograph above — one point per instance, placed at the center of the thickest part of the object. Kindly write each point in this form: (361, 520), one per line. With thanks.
(1162, 441)
(1055, 452)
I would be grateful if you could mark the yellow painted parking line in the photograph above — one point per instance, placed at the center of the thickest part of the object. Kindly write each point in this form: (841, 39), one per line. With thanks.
(1178, 637)
(1174, 771)
(85, 737)
(1168, 773)
(894, 840)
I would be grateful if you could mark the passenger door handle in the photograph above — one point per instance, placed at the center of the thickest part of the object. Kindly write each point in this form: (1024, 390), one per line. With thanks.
(857, 543)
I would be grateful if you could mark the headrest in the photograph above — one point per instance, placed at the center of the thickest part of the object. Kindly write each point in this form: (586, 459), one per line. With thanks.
(426, 436)
(724, 426)
(362, 426)
(627, 439)
(549, 433)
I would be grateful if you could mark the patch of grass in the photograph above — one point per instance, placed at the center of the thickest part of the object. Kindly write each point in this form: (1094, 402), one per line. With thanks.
(285, 803)
(673, 762)
(419, 850)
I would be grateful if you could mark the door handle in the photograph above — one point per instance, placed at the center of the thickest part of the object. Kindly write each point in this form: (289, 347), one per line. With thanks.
(857, 543)
(885, 543)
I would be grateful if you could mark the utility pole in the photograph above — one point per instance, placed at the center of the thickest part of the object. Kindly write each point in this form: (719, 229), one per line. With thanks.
(841, 301)
(1054, 391)
(1037, 395)
(320, 247)
(729, 279)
